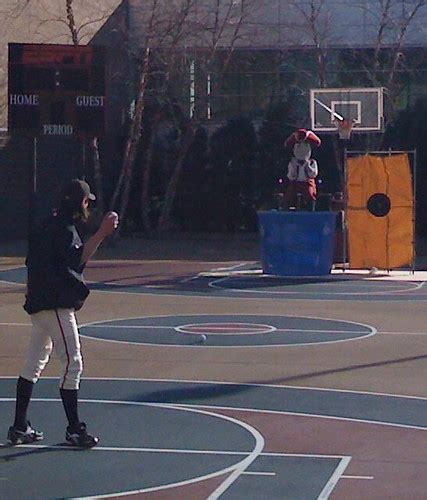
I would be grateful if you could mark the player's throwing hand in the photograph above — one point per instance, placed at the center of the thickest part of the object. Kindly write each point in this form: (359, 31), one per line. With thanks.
(109, 223)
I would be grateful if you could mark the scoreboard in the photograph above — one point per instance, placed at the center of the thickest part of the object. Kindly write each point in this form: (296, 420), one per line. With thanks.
(56, 90)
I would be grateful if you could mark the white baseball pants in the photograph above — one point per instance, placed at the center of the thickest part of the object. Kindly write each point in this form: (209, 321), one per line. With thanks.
(55, 329)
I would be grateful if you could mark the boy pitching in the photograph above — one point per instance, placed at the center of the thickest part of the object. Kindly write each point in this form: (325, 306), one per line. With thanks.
(55, 291)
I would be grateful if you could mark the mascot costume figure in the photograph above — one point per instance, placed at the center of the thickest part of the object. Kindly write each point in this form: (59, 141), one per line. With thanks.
(302, 170)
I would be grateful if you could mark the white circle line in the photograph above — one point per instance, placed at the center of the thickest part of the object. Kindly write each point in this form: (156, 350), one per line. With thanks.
(370, 328)
(254, 410)
(213, 284)
(14, 283)
(246, 346)
(243, 384)
(235, 469)
(199, 296)
(311, 415)
(216, 326)
(181, 329)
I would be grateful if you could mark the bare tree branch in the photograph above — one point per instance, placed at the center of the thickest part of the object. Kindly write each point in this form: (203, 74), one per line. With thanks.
(126, 173)
(71, 23)
(220, 31)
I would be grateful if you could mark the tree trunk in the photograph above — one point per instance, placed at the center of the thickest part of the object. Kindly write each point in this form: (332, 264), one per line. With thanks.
(145, 193)
(97, 173)
(164, 220)
(146, 174)
(126, 174)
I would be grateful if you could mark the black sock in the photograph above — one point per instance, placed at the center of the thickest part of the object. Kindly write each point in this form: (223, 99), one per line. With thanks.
(24, 389)
(70, 402)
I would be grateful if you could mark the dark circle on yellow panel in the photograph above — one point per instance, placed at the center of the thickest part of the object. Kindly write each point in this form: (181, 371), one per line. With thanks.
(379, 204)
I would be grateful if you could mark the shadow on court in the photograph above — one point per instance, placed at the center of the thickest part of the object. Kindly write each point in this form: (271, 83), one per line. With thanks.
(193, 393)
(59, 447)
(344, 369)
(213, 391)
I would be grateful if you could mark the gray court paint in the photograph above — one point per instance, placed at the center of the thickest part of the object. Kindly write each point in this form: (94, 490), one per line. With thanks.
(286, 330)
(384, 410)
(186, 388)
(249, 442)
(243, 284)
(342, 404)
(293, 467)
(294, 289)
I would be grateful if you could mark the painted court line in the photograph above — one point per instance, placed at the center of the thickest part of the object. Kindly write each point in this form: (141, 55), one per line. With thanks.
(357, 477)
(243, 384)
(311, 415)
(11, 283)
(369, 333)
(232, 268)
(300, 455)
(243, 346)
(226, 328)
(235, 469)
(258, 473)
(274, 386)
(124, 449)
(309, 330)
(202, 326)
(246, 315)
(160, 327)
(197, 276)
(338, 473)
(217, 285)
(402, 333)
(244, 464)
(177, 451)
(333, 480)
(136, 327)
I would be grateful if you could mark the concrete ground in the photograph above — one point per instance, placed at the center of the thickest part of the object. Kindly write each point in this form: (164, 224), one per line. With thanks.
(189, 246)
(341, 400)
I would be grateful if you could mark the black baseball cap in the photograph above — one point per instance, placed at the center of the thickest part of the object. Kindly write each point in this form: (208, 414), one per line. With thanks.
(76, 190)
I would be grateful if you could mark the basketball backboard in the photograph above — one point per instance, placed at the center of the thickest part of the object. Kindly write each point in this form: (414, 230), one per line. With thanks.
(364, 106)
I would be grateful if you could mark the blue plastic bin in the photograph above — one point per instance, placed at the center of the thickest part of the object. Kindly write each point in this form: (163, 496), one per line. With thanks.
(297, 243)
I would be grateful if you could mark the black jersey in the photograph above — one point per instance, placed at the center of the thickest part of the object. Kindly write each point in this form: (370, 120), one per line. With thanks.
(54, 268)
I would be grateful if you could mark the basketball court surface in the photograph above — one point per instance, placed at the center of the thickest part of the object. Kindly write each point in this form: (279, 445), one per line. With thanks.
(208, 379)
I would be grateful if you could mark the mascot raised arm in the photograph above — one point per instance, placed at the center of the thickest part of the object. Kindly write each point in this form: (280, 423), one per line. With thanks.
(301, 192)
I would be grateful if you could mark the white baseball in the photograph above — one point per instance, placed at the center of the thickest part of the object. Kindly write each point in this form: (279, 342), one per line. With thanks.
(115, 217)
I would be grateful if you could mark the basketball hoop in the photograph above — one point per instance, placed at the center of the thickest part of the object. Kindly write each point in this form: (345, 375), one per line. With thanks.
(344, 128)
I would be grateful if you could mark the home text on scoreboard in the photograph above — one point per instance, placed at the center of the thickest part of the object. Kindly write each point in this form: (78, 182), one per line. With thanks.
(56, 90)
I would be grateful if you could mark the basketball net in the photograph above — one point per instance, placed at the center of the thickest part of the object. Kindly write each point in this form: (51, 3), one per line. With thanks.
(344, 128)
